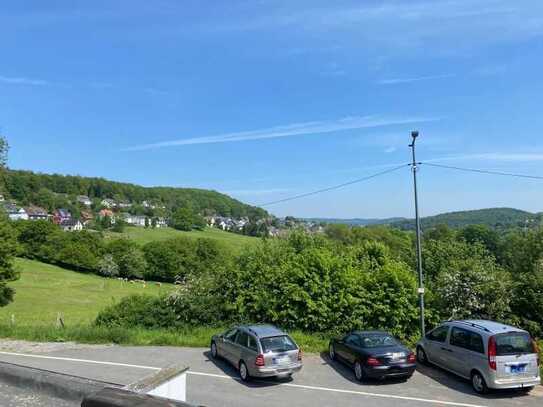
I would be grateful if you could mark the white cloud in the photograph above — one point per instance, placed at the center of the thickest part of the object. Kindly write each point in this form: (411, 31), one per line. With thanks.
(397, 81)
(290, 130)
(443, 26)
(10, 80)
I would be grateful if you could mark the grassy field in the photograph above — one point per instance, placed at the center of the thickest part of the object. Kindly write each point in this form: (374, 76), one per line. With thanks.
(45, 290)
(144, 235)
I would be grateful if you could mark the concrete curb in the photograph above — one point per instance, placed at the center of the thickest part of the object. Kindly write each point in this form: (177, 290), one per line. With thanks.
(62, 386)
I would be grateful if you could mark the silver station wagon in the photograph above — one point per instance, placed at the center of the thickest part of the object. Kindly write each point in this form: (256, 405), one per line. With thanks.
(490, 354)
(258, 351)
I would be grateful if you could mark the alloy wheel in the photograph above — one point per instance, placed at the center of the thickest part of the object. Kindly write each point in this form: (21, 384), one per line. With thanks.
(213, 350)
(358, 372)
(243, 372)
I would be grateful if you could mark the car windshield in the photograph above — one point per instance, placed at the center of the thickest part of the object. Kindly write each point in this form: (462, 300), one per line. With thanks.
(512, 343)
(377, 341)
(277, 344)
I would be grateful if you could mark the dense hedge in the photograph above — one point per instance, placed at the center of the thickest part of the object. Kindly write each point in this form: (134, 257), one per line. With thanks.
(89, 252)
(315, 283)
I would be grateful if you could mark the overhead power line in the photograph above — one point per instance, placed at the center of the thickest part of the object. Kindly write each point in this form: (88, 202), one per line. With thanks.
(331, 188)
(505, 174)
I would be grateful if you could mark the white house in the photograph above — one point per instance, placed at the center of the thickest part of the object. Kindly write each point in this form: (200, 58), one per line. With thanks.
(16, 213)
(2, 198)
(136, 220)
(161, 223)
(71, 225)
(124, 205)
(108, 203)
(84, 200)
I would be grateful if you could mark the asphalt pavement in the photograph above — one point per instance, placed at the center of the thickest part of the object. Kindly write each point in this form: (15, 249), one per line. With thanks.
(321, 382)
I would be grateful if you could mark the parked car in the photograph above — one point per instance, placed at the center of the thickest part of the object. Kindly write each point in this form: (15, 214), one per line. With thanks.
(373, 354)
(258, 351)
(490, 354)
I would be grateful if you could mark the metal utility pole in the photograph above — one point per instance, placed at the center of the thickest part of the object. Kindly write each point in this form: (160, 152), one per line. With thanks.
(414, 135)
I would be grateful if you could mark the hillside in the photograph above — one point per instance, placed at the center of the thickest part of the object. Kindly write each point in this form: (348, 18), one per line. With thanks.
(52, 191)
(233, 241)
(497, 218)
(44, 290)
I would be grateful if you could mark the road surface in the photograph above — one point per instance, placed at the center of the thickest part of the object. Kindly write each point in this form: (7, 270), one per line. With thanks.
(214, 383)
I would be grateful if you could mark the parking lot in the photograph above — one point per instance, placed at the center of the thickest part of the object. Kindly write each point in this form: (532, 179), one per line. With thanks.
(214, 383)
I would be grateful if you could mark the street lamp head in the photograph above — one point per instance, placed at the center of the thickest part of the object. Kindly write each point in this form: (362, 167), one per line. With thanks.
(414, 134)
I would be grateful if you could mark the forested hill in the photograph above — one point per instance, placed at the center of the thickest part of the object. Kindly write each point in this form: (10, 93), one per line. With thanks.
(49, 190)
(497, 218)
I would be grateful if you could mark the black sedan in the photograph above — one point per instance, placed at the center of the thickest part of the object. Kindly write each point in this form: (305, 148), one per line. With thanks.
(373, 354)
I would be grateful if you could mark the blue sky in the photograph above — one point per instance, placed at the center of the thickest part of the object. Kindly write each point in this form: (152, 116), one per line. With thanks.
(267, 99)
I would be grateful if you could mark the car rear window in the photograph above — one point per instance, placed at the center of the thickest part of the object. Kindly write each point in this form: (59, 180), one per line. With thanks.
(377, 341)
(281, 343)
(512, 343)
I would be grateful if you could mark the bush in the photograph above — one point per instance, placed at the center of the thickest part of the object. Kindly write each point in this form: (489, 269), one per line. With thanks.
(137, 311)
(303, 282)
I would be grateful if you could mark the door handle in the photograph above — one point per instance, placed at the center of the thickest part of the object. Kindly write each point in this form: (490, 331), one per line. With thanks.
(447, 349)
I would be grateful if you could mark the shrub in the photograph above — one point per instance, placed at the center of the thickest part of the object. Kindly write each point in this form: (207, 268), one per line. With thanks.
(137, 310)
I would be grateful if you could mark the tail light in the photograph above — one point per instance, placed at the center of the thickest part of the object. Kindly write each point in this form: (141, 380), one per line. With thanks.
(411, 358)
(299, 355)
(259, 361)
(492, 352)
(372, 362)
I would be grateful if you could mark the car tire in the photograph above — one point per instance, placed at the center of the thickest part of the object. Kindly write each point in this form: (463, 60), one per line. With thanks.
(478, 383)
(214, 351)
(359, 371)
(332, 352)
(244, 372)
(421, 356)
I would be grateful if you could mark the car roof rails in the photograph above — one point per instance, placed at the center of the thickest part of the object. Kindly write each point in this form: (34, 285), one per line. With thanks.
(473, 324)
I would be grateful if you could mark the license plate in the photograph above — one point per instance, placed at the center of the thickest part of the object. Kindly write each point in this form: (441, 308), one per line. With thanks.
(517, 369)
(283, 360)
(398, 355)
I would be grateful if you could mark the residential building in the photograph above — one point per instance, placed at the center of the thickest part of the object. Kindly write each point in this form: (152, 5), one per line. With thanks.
(124, 205)
(108, 203)
(61, 215)
(37, 213)
(15, 212)
(161, 223)
(2, 198)
(84, 200)
(71, 225)
(136, 220)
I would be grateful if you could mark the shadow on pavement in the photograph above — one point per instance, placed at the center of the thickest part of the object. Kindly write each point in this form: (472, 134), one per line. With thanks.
(229, 370)
(461, 385)
(347, 373)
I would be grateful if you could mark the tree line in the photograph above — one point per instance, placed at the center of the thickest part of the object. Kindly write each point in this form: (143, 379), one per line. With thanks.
(90, 252)
(53, 191)
(366, 280)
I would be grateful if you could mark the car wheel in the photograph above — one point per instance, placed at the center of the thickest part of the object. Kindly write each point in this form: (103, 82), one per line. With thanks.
(421, 356)
(243, 372)
(214, 353)
(359, 371)
(478, 383)
(332, 352)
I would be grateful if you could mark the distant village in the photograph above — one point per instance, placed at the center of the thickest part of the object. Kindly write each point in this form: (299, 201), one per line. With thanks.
(115, 211)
